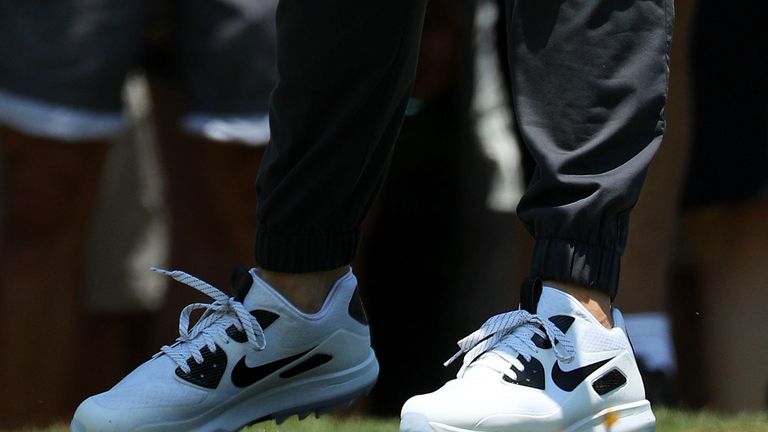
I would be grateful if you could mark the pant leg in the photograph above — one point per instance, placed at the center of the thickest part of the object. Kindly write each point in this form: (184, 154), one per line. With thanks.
(589, 79)
(345, 70)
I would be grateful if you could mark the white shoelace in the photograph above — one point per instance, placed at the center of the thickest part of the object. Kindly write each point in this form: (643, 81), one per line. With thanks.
(509, 333)
(217, 317)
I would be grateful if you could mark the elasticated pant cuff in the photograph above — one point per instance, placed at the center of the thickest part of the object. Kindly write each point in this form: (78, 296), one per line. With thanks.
(576, 262)
(292, 253)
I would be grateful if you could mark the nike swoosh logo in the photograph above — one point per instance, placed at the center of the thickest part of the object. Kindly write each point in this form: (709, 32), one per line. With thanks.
(243, 376)
(569, 380)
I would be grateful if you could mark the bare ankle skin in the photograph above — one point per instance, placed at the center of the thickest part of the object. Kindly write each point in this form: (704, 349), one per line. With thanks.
(596, 302)
(306, 291)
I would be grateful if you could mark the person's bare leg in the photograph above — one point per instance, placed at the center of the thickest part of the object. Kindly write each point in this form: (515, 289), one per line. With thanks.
(307, 291)
(224, 187)
(730, 248)
(50, 191)
(653, 226)
(645, 271)
(596, 302)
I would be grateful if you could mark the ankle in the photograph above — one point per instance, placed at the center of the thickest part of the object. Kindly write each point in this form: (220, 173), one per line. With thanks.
(596, 302)
(306, 291)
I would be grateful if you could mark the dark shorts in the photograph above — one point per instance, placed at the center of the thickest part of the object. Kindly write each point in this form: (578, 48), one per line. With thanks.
(77, 53)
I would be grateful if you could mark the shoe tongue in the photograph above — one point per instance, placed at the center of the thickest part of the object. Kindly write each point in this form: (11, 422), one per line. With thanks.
(487, 366)
(547, 302)
(530, 293)
(240, 281)
(554, 302)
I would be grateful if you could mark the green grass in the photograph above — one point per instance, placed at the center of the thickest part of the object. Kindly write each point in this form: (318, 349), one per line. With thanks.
(668, 421)
(704, 421)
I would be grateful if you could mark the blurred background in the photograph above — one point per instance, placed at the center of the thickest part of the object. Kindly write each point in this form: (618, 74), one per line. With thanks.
(131, 136)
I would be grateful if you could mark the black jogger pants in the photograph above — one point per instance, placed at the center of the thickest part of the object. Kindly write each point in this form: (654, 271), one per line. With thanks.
(589, 81)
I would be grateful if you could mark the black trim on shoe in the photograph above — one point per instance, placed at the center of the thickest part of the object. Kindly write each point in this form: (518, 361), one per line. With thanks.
(241, 282)
(316, 360)
(356, 310)
(609, 382)
(265, 319)
(569, 380)
(532, 374)
(562, 322)
(244, 375)
(541, 342)
(208, 373)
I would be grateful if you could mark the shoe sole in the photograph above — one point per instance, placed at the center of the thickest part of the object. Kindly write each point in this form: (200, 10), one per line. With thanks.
(634, 417)
(317, 395)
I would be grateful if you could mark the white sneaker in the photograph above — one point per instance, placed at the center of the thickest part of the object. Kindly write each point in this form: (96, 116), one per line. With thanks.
(514, 379)
(248, 358)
